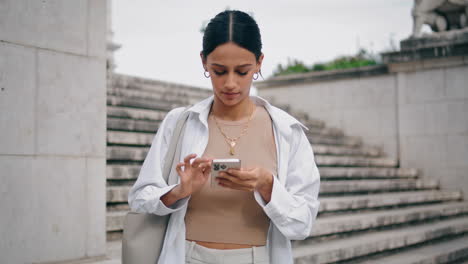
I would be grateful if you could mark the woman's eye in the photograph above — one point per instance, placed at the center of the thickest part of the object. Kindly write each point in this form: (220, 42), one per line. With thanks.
(223, 72)
(219, 73)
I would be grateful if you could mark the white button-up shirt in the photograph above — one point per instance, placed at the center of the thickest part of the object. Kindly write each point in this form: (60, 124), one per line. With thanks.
(294, 200)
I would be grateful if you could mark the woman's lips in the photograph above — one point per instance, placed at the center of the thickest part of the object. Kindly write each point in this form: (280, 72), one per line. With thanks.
(231, 95)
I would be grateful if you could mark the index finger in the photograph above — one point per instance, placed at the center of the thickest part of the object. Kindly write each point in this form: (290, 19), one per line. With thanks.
(188, 158)
(197, 162)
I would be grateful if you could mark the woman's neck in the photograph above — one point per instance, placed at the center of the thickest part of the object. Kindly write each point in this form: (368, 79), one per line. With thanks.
(232, 113)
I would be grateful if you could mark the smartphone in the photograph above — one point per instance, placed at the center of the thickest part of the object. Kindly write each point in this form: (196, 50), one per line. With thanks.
(222, 165)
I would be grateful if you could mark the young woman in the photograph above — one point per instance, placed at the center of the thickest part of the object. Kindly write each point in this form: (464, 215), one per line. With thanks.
(271, 200)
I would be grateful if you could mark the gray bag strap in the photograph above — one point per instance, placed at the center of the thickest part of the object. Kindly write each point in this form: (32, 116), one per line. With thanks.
(174, 148)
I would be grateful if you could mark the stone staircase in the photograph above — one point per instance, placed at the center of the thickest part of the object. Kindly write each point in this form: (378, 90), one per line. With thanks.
(371, 210)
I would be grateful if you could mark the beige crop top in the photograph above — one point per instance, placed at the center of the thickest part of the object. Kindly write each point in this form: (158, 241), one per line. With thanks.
(226, 215)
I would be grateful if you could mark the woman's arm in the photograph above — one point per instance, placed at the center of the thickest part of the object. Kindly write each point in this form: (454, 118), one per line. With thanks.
(293, 207)
(171, 197)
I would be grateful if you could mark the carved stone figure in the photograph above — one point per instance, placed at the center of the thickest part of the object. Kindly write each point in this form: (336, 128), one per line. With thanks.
(440, 15)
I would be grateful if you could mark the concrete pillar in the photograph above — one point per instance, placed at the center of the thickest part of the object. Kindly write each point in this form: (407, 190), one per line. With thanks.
(53, 129)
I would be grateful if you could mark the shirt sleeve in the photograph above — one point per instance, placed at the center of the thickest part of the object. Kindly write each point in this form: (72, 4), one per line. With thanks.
(145, 194)
(294, 206)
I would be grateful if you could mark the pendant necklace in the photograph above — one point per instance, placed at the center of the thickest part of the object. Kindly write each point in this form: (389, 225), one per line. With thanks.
(233, 141)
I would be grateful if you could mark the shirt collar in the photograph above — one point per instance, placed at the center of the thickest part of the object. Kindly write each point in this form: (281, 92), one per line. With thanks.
(278, 116)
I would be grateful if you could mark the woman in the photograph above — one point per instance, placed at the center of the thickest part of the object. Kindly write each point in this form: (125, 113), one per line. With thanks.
(271, 200)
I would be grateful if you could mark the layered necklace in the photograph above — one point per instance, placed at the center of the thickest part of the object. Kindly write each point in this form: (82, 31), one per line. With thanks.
(233, 141)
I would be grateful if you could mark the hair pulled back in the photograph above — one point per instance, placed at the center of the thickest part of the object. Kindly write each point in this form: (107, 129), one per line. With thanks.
(232, 26)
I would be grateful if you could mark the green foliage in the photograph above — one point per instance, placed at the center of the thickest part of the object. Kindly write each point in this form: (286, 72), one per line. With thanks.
(362, 58)
(295, 66)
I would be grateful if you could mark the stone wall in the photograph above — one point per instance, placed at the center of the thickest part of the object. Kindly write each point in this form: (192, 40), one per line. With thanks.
(433, 123)
(361, 102)
(53, 123)
(416, 111)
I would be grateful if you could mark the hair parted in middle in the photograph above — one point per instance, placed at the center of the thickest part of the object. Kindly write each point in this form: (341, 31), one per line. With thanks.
(232, 26)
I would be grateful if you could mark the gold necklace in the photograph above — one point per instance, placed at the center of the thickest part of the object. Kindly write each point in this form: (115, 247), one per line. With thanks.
(232, 141)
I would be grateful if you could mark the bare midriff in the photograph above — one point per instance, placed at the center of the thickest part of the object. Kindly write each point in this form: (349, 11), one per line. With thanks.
(217, 245)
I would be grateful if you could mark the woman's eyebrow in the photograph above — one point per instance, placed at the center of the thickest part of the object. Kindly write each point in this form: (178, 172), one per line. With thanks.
(220, 65)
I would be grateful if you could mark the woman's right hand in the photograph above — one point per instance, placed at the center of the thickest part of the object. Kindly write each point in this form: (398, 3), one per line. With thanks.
(193, 176)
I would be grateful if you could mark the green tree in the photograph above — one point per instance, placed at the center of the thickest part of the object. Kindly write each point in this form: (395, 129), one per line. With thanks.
(360, 59)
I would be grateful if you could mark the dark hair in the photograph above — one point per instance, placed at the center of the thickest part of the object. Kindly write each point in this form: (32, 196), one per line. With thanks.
(232, 26)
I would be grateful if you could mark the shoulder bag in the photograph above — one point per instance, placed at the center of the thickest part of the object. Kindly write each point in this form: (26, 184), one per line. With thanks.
(143, 234)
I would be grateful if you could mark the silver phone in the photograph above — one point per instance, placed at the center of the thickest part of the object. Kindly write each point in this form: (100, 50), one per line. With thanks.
(222, 165)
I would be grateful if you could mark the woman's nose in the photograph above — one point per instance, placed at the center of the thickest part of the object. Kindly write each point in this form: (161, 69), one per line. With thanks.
(230, 81)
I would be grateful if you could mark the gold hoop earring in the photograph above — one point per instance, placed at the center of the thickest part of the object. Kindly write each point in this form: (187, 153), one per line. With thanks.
(204, 73)
(255, 77)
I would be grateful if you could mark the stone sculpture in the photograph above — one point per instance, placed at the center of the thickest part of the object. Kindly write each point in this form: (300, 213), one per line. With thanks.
(440, 15)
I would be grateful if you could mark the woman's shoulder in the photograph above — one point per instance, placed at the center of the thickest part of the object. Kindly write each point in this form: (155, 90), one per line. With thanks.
(175, 112)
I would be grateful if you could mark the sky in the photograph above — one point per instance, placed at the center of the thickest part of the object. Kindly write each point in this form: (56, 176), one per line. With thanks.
(162, 40)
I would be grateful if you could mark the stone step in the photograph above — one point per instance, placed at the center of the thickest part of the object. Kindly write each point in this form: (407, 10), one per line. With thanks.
(365, 151)
(122, 172)
(170, 97)
(135, 108)
(367, 173)
(352, 222)
(118, 194)
(115, 220)
(118, 207)
(158, 87)
(130, 138)
(158, 115)
(142, 103)
(123, 153)
(386, 200)
(302, 116)
(132, 125)
(124, 135)
(353, 161)
(135, 113)
(374, 186)
(447, 251)
(151, 125)
(325, 131)
(341, 141)
(375, 242)
(130, 172)
(322, 157)
(137, 154)
(161, 104)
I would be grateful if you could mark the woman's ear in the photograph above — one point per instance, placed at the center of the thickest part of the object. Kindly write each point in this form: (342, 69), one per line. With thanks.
(203, 60)
(259, 62)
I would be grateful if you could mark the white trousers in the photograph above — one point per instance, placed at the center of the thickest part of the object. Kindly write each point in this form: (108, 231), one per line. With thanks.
(197, 254)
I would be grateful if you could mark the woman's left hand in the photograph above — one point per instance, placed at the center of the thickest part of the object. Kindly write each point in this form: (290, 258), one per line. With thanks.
(250, 180)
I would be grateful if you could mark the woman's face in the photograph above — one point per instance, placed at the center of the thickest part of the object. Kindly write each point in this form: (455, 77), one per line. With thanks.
(231, 68)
